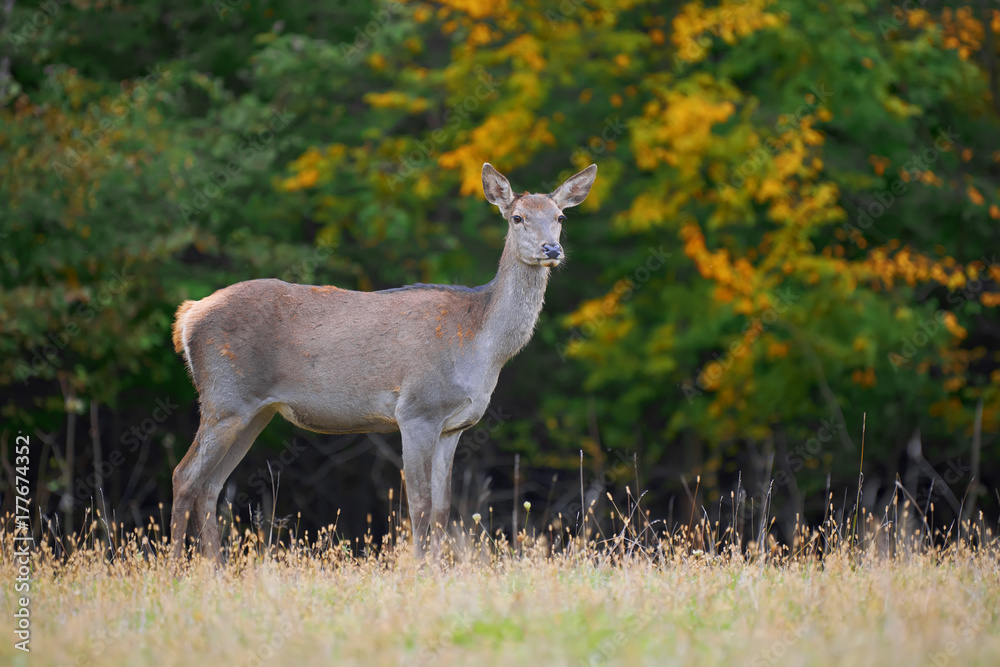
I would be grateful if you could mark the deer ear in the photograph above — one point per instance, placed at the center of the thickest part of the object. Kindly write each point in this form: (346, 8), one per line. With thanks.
(575, 189)
(496, 187)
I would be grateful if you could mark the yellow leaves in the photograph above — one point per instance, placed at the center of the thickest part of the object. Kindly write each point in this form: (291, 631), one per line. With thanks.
(911, 267)
(309, 166)
(525, 50)
(587, 312)
(676, 129)
(413, 45)
(477, 9)
(335, 152)
(995, 211)
(865, 378)
(729, 21)
(930, 178)
(951, 323)
(974, 195)
(955, 280)
(900, 108)
(650, 209)
(711, 375)
(307, 178)
(422, 14)
(770, 188)
(480, 34)
(953, 384)
(879, 163)
(990, 299)
(302, 180)
(423, 188)
(528, 86)
(308, 160)
(950, 406)
(723, 294)
(507, 140)
(777, 350)
(714, 265)
(962, 31)
(917, 18)
(394, 99)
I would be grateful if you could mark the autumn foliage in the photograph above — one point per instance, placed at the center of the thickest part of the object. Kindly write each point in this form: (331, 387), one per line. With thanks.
(795, 223)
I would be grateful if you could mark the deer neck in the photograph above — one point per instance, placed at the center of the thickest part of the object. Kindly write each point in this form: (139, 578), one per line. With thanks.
(516, 296)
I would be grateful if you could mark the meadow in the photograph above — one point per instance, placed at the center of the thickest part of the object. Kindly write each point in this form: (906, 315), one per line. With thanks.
(838, 595)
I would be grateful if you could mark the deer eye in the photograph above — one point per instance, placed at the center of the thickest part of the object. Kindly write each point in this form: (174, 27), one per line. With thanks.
(561, 218)
(518, 219)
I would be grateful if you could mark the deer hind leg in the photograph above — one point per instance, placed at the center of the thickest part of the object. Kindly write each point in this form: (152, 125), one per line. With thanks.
(213, 440)
(184, 496)
(207, 503)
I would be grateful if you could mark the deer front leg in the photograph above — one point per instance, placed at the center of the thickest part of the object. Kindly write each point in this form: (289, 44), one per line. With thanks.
(420, 439)
(444, 455)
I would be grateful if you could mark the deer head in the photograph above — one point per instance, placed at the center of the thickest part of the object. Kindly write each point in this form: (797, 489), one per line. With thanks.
(535, 221)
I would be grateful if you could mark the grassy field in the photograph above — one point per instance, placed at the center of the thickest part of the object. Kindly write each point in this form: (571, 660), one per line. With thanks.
(660, 602)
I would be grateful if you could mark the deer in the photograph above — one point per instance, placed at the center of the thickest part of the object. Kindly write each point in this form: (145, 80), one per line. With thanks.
(421, 359)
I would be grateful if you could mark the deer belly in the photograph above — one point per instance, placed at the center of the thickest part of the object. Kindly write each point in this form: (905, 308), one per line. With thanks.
(345, 417)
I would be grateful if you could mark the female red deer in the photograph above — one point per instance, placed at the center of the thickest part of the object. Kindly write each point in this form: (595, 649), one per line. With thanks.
(421, 359)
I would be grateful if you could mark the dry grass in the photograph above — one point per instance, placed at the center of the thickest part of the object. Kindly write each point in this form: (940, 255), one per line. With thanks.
(636, 598)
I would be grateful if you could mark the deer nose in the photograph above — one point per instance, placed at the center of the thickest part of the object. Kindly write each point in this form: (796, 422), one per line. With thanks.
(552, 250)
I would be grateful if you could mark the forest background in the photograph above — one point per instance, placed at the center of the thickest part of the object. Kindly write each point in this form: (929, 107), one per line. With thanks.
(793, 233)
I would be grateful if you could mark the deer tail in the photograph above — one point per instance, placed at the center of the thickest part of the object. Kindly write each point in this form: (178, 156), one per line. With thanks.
(179, 326)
